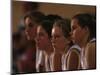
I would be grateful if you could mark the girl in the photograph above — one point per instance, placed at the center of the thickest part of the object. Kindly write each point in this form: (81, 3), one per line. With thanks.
(83, 33)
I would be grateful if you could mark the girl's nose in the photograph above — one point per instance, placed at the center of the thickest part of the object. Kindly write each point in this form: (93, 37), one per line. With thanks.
(37, 38)
(52, 39)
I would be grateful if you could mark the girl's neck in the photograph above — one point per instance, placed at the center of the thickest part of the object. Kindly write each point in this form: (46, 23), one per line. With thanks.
(84, 42)
(63, 51)
(49, 49)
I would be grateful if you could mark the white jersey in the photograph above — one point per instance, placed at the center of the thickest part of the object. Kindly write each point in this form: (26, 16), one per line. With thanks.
(83, 60)
(39, 56)
(47, 62)
(51, 61)
(42, 58)
(65, 56)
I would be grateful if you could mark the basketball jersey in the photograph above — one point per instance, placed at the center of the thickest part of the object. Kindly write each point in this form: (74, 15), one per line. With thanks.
(47, 62)
(51, 61)
(39, 56)
(65, 56)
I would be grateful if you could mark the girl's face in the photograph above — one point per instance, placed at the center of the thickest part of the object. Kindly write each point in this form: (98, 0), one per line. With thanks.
(42, 39)
(30, 29)
(77, 33)
(58, 39)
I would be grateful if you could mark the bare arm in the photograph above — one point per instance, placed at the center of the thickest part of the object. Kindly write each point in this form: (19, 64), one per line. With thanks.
(73, 60)
(91, 56)
(57, 62)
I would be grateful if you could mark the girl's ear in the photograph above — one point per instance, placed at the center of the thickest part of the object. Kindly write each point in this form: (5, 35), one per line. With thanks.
(68, 40)
(86, 32)
(86, 29)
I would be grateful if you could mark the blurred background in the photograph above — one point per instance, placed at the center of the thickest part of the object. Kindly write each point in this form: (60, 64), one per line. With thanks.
(20, 8)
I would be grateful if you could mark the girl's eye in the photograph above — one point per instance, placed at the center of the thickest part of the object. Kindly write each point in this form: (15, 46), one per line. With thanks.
(56, 36)
(40, 34)
(30, 25)
(73, 28)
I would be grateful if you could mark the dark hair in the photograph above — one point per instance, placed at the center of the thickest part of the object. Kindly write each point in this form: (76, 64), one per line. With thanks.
(48, 22)
(54, 17)
(36, 16)
(87, 20)
(47, 25)
(64, 24)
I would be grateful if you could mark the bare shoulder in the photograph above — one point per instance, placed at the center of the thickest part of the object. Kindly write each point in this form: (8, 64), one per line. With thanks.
(91, 47)
(74, 54)
(90, 54)
(73, 61)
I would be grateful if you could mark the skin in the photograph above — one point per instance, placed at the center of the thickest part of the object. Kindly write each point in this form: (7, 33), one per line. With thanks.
(28, 64)
(59, 43)
(90, 55)
(79, 35)
(73, 61)
(43, 43)
(42, 39)
(31, 29)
